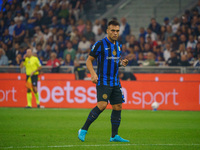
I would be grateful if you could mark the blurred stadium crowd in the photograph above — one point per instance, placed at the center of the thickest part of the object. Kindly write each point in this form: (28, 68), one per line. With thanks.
(58, 35)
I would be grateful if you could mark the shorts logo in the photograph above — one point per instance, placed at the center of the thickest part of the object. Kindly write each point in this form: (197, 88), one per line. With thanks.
(105, 96)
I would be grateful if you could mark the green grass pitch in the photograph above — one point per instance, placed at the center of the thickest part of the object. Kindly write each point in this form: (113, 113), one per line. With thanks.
(57, 129)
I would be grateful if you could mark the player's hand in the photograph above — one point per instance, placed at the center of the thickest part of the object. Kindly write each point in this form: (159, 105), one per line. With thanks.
(94, 78)
(125, 62)
(24, 56)
(32, 73)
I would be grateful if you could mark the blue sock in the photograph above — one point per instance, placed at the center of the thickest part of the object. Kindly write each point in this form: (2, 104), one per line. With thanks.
(115, 121)
(94, 113)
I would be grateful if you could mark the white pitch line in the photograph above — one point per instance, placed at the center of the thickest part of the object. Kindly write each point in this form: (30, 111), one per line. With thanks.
(105, 145)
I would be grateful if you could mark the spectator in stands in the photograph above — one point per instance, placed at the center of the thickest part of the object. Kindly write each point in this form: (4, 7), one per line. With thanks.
(197, 62)
(158, 53)
(17, 60)
(184, 61)
(154, 26)
(141, 43)
(83, 48)
(39, 36)
(70, 50)
(147, 49)
(127, 76)
(190, 57)
(48, 18)
(132, 42)
(3, 58)
(175, 42)
(75, 8)
(185, 22)
(197, 50)
(124, 29)
(29, 10)
(191, 42)
(182, 50)
(54, 63)
(25, 3)
(152, 34)
(100, 35)
(175, 24)
(168, 32)
(88, 33)
(79, 70)
(19, 16)
(140, 57)
(124, 52)
(150, 61)
(183, 40)
(64, 12)
(47, 33)
(173, 59)
(51, 42)
(63, 24)
(7, 39)
(161, 36)
(166, 22)
(40, 52)
(81, 26)
(54, 23)
(104, 24)
(142, 32)
(19, 31)
(11, 27)
(2, 27)
(167, 51)
(96, 27)
(132, 61)
(68, 60)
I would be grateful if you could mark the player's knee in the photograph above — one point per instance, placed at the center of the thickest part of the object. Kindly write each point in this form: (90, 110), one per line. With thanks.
(28, 90)
(102, 105)
(117, 107)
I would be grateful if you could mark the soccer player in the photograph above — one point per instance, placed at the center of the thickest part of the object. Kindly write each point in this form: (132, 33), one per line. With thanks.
(107, 51)
(32, 65)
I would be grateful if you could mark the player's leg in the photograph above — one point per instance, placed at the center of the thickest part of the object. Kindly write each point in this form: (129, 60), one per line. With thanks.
(115, 118)
(34, 83)
(29, 98)
(93, 115)
(102, 98)
(116, 101)
(28, 94)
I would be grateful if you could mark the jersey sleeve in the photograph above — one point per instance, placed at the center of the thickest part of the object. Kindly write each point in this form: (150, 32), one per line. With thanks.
(96, 49)
(38, 62)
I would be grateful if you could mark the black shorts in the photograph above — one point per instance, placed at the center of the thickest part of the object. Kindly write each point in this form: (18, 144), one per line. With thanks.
(107, 93)
(34, 79)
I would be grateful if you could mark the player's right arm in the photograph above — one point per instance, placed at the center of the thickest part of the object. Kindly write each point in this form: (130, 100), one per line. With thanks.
(95, 51)
(89, 65)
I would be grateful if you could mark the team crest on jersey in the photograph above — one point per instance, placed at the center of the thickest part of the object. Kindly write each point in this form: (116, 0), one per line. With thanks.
(105, 96)
(114, 52)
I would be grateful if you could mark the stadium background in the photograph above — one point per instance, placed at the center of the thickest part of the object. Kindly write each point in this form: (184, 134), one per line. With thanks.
(45, 33)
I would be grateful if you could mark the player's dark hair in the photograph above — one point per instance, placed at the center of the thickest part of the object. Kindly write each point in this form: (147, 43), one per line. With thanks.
(113, 22)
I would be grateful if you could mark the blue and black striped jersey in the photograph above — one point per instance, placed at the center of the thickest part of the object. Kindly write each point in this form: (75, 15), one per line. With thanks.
(108, 58)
